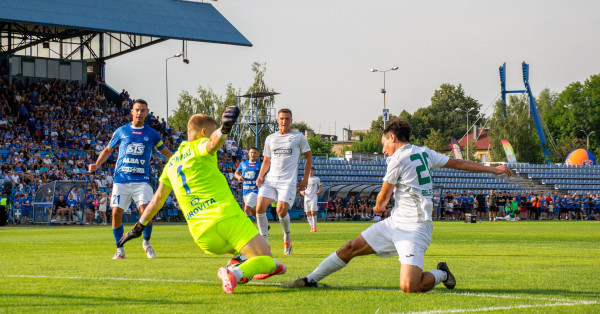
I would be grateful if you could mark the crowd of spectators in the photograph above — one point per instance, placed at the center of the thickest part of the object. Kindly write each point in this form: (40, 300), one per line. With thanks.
(52, 130)
(515, 206)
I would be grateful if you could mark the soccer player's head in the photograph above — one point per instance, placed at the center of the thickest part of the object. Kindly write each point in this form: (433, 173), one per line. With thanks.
(395, 135)
(253, 154)
(139, 112)
(312, 171)
(284, 119)
(200, 125)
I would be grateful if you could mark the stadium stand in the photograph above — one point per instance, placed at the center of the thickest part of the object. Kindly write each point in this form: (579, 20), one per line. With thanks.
(52, 129)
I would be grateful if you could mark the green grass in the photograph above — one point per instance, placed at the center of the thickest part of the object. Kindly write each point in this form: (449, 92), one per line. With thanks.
(502, 267)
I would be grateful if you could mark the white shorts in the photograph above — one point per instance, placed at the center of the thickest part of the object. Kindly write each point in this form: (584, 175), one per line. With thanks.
(102, 208)
(124, 193)
(409, 240)
(286, 193)
(250, 199)
(310, 206)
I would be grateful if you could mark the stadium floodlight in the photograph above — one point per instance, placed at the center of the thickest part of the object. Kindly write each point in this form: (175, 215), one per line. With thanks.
(466, 111)
(383, 90)
(167, 80)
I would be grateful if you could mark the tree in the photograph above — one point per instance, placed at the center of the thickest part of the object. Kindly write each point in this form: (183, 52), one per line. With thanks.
(258, 86)
(441, 114)
(472, 151)
(436, 141)
(318, 146)
(518, 128)
(577, 108)
(208, 102)
(370, 143)
(300, 126)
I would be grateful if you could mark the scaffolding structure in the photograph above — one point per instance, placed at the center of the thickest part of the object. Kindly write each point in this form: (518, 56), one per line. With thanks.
(258, 115)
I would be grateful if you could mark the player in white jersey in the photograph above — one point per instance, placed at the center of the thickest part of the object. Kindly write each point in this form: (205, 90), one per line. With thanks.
(407, 232)
(313, 188)
(282, 151)
(132, 171)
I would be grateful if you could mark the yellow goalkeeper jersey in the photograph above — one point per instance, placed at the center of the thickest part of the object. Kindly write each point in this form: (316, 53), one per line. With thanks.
(201, 189)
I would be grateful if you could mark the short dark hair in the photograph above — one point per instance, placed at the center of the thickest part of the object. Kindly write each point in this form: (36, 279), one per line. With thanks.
(400, 128)
(251, 148)
(141, 101)
(312, 168)
(284, 110)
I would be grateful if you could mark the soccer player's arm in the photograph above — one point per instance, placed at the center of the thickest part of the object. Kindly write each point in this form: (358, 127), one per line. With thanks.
(472, 166)
(305, 148)
(387, 188)
(162, 148)
(238, 174)
(114, 142)
(266, 163)
(217, 139)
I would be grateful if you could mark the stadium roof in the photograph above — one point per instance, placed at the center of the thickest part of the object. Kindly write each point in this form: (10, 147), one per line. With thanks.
(172, 19)
(108, 28)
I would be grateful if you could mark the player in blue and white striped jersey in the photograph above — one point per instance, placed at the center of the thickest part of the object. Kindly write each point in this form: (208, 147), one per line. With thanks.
(132, 171)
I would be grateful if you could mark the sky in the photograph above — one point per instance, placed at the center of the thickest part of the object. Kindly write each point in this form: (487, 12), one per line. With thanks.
(318, 54)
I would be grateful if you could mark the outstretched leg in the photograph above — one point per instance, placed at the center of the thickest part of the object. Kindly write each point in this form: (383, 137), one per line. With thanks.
(334, 262)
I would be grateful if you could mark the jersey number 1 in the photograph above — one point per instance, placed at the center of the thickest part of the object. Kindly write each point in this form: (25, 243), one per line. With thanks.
(183, 180)
(423, 167)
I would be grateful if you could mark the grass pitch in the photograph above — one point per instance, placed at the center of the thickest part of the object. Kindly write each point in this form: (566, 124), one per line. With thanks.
(517, 267)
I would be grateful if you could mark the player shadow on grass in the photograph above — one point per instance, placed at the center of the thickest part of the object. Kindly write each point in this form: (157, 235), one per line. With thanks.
(556, 293)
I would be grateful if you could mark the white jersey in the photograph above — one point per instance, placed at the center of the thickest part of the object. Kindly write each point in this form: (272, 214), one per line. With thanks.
(284, 151)
(311, 188)
(409, 169)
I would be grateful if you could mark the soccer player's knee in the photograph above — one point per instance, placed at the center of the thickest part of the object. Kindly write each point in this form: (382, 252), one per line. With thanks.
(349, 250)
(409, 287)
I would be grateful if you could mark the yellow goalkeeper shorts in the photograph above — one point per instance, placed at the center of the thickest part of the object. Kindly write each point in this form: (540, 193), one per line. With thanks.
(231, 233)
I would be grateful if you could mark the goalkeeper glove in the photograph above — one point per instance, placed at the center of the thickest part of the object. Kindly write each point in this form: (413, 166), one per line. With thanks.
(136, 232)
(228, 118)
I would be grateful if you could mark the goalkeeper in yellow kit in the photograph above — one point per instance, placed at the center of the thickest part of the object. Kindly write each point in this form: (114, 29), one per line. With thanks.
(216, 221)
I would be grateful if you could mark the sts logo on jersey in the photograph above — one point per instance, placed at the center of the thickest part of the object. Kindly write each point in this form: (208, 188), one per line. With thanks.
(135, 149)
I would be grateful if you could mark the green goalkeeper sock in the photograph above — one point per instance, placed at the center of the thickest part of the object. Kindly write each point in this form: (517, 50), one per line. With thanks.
(258, 265)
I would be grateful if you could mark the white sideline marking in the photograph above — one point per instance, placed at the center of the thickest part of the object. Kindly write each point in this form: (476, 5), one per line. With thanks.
(510, 307)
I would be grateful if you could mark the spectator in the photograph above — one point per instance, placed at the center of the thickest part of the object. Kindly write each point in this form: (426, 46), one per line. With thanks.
(61, 208)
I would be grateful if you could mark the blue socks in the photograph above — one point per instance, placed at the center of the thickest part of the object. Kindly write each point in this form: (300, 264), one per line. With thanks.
(147, 232)
(118, 233)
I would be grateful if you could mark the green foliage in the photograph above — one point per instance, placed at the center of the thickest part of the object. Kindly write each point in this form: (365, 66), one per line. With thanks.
(436, 141)
(472, 151)
(208, 102)
(318, 146)
(371, 143)
(441, 114)
(518, 128)
(577, 108)
(300, 126)
(565, 146)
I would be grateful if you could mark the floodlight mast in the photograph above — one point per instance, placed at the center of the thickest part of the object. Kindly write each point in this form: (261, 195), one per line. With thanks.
(383, 91)
(540, 125)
